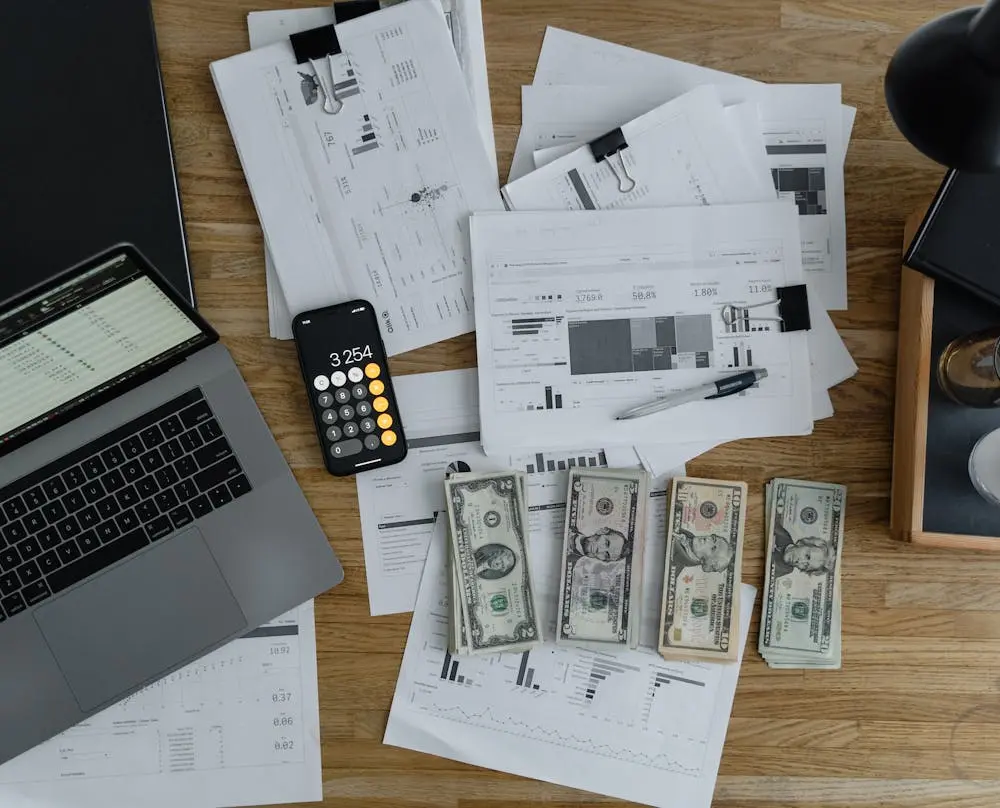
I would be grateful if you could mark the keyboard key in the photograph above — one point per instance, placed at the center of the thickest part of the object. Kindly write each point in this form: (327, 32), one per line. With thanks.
(13, 604)
(112, 481)
(186, 490)
(74, 477)
(88, 542)
(127, 520)
(93, 467)
(219, 473)
(3, 518)
(220, 496)
(152, 460)
(172, 426)
(29, 573)
(213, 453)
(167, 477)
(88, 517)
(68, 527)
(159, 528)
(181, 516)
(166, 501)
(13, 532)
(113, 457)
(151, 437)
(30, 548)
(210, 430)
(49, 538)
(36, 593)
(9, 559)
(172, 450)
(128, 496)
(34, 498)
(15, 508)
(191, 440)
(74, 501)
(34, 522)
(238, 486)
(108, 507)
(108, 531)
(132, 471)
(147, 511)
(54, 487)
(186, 466)
(196, 414)
(146, 487)
(53, 511)
(49, 561)
(132, 447)
(93, 491)
(9, 583)
(200, 506)
(91, 563)
(68, 552)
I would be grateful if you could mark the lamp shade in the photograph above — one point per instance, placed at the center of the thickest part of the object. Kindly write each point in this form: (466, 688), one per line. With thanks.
(943, 89)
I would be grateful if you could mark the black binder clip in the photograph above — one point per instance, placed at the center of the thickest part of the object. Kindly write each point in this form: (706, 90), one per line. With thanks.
(315, 46)
(608, 147)
(793, 311)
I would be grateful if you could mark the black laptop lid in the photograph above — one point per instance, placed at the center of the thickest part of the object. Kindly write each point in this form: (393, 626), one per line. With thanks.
(85, 155)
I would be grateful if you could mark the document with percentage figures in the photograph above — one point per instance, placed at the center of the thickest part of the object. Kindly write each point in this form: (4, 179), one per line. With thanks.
(238, 727)
(628, 724)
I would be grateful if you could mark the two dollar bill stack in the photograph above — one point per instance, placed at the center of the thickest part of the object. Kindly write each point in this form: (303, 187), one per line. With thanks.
(800, 623)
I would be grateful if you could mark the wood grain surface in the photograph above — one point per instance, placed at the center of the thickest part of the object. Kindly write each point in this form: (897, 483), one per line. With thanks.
(912, 718)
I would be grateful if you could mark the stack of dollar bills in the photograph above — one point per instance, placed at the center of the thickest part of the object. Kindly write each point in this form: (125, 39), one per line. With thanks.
(699, 617)
(800, 623)
(493, 605)
(601, 579)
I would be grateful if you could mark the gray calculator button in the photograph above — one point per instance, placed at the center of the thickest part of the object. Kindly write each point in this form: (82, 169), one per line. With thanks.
(364, 409)
(367, 425)
(372, 442)
(342, 396)
(355, 375)
(328, 417)
(346, 448)
(338, 378)
(350, 429)
(321, 383)
(347, 412)
(333, 433)
(325, 400)
(359, 391)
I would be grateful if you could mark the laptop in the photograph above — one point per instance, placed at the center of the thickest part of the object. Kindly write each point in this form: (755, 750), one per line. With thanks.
(147, 515)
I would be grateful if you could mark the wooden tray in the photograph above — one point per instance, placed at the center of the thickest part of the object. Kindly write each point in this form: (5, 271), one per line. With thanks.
(933, 500)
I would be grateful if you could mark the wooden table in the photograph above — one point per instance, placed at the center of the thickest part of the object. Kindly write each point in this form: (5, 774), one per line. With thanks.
(911, 719)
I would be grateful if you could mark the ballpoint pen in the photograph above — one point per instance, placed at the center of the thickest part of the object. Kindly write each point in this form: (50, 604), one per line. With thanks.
(724, 387)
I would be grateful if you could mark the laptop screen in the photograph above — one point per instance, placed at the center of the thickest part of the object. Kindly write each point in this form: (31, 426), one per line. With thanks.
(83, 337)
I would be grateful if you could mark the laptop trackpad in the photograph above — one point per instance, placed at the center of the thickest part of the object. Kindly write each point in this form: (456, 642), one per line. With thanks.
(132, 624)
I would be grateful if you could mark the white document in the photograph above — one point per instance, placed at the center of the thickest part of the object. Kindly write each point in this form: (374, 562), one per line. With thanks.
(238, 727)
(401, 504)
(803, 132)
(628, 724)
(581, 315)
(373, 201)
(465, 21)
(684, 152)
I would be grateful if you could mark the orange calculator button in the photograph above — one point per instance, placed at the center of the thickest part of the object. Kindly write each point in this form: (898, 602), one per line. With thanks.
(384, 421)
(389, 438)
(381, 404)
(376, 388)
(372, 370)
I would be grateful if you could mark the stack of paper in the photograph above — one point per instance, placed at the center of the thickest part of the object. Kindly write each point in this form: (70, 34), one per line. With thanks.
(611, 286)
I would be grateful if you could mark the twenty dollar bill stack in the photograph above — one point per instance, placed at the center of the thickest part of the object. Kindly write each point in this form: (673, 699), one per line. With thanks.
(800, 623)
(701, 581)
(492, 600)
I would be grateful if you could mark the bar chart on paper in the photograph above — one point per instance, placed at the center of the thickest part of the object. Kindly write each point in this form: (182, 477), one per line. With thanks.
(559, 461)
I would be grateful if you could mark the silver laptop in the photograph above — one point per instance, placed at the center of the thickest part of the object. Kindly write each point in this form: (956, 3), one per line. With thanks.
(146, 514)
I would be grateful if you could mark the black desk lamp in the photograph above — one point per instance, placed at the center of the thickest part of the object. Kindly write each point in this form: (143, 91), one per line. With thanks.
(943, 89)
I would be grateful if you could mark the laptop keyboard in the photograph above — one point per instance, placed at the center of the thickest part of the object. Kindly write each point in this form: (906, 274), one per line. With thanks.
(110, 498)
